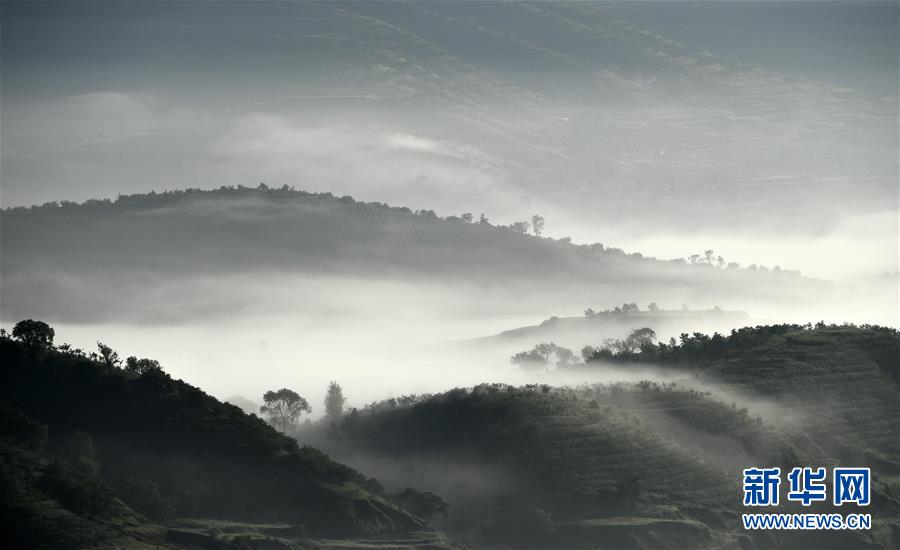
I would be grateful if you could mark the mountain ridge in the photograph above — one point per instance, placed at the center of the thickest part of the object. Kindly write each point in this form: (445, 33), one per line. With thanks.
(142, 244)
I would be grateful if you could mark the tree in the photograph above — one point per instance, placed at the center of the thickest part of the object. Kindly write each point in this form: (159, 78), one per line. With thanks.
(284, 407)
(538, 358)
(520, 227)
(141, 366)
(482, 220)
(639, 339)
(652, 306)
(37, 335)
(537, 224)
(565, 357)
(614, 345)
(468, 217)
(334, 401)
(589, 312)
(110, 357)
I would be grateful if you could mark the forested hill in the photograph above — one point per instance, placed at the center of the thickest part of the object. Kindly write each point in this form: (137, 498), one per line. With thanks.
(141, 239)
(98, 456)
(243, 228)
(652, 465)
(842, 382)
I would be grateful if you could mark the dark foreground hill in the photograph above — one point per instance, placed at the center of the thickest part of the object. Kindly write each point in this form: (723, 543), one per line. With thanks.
(119, 257)
(650, 465)
(96, 456)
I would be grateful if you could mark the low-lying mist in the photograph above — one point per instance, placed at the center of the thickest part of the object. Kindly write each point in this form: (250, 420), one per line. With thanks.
(246, 335)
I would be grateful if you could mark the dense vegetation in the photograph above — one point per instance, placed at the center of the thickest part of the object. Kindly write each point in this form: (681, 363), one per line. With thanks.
(92, 452)
(138, 242)
(595, 327)
(562, 457)
(656, 465)
(833, 373)
(97, 451)
(320, 215)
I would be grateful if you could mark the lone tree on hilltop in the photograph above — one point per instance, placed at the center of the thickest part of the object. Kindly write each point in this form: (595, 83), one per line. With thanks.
(539, 357)
(537, 224)
(334, 401)
(284, 407)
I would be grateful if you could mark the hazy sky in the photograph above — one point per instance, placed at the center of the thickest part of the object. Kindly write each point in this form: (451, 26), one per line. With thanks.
(663, 127)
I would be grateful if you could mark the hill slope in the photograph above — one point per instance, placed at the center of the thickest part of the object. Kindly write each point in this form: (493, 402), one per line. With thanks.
(167, 450)
(650, 465)
(576, 332)
(106, 259)
(842, 381)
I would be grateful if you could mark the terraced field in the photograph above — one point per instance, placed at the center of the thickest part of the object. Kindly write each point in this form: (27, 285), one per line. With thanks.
(841, 382)
(574, 455)
(653, 465)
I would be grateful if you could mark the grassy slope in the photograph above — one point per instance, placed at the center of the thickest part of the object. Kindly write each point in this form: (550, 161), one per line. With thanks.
(209, 459)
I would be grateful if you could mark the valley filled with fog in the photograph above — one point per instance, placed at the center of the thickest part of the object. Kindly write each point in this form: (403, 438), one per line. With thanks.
(587, 114)
(548, 253)
(306, 288)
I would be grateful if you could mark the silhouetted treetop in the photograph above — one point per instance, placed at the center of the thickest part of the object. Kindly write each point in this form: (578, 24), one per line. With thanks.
(34, 334)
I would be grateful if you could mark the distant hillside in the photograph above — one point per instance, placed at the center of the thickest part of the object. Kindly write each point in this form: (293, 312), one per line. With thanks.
(101, 258)
(576, 332)
(650, 465)
(84, 444)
